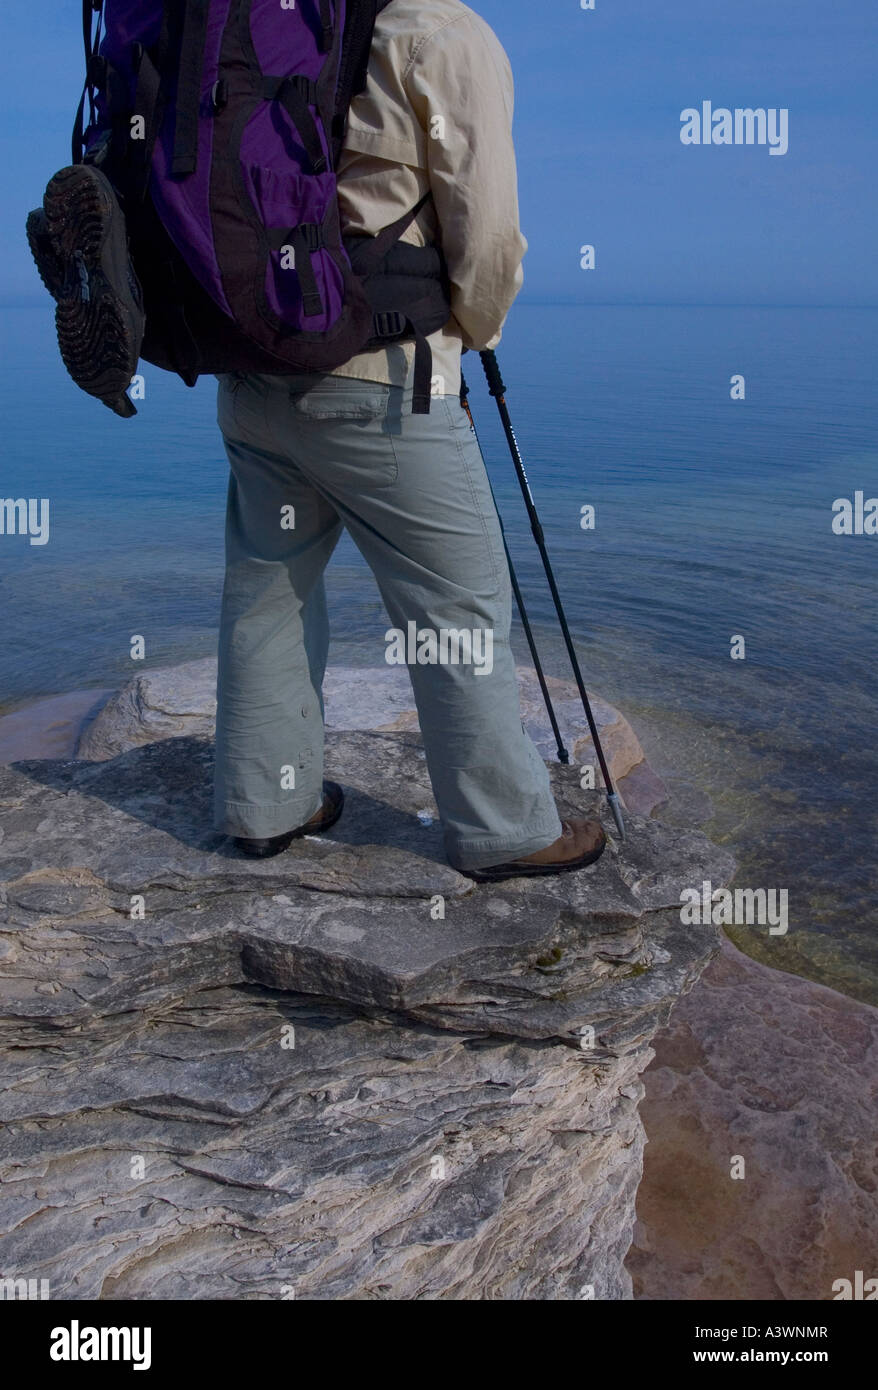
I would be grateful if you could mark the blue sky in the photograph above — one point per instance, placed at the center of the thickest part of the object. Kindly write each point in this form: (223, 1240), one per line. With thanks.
(598, 100)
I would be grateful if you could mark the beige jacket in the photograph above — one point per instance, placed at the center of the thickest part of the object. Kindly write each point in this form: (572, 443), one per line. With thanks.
(437, 113)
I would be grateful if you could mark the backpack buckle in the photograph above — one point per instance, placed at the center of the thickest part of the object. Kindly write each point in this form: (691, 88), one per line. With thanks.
(311, 234)
(388, 323)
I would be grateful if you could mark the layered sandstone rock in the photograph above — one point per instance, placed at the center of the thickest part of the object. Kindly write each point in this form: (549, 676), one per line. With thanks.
(346, 1072)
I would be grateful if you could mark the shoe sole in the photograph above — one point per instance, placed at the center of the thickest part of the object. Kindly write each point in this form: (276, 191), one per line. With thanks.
(47, 263)
(299, 833)
(98, 319)
(497, 873)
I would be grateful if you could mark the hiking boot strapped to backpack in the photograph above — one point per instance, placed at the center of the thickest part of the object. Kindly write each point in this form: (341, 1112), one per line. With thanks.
(216, 127)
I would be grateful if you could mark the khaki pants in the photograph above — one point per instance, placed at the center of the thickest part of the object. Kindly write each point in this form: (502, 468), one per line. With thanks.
(413, 493)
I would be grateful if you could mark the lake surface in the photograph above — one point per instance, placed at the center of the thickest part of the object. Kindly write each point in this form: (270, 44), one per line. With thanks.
(713, 520)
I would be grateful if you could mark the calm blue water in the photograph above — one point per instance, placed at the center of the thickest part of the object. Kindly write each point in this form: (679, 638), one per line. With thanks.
(713, 519)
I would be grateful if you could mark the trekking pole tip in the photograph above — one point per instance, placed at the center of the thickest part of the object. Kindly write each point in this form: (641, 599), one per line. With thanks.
(616, 808)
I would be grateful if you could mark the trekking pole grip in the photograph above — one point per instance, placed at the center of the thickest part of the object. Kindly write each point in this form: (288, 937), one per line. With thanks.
(492, 372)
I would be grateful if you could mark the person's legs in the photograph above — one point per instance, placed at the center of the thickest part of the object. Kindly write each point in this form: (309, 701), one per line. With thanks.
(413, 492)
(274, 632)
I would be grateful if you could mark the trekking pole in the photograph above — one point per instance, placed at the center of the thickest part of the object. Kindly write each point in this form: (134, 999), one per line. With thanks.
(563, 755)
(497, 389)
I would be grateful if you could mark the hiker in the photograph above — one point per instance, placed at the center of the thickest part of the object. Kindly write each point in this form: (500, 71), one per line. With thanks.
(378, 443)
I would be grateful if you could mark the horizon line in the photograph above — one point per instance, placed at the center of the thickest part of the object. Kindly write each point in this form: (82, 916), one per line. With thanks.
(40, 302)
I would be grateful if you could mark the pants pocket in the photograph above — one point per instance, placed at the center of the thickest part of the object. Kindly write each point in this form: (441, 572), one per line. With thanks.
(350, 423)
(241, 401)
(343, 398)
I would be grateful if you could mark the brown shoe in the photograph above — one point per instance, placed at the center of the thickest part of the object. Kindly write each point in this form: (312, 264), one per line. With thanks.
(323, 818)
(581, 842)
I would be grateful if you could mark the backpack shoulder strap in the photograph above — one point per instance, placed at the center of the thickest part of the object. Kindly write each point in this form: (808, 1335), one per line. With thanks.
(188, 94)
(356, 41)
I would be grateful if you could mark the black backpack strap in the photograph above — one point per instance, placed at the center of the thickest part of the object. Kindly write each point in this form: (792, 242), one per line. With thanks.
(149, 104)
(325, 26)
(368, 257)
(306, 240)
(393, 324)
(356, 42)
(422, 374)
(90, 40)
(188, 96)
(294, 93)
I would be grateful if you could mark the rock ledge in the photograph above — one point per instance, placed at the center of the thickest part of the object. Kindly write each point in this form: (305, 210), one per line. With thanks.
(227, 1078)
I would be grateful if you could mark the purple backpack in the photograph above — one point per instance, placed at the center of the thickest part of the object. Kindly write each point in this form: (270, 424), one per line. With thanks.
(219, 124)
